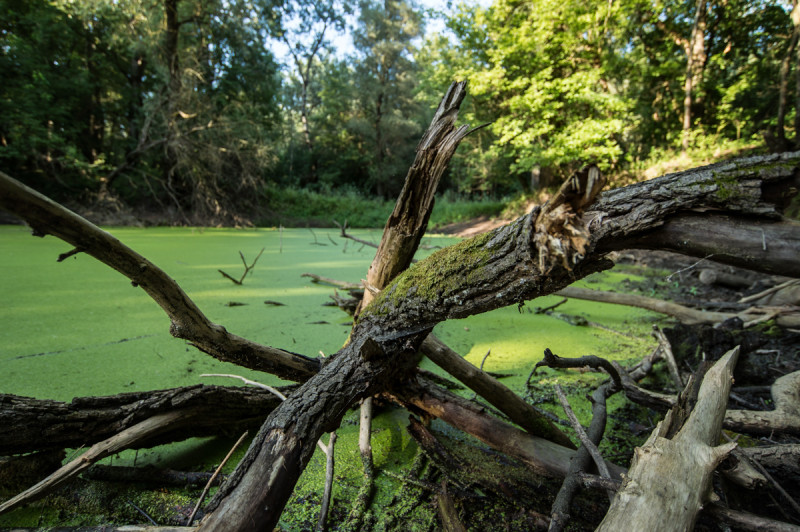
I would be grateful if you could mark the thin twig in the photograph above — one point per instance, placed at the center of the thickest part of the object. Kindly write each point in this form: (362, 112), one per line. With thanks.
(143, 513)
(489, 352)
(213, 477)
(690, 267)
(248, 381)
(345, 234)
(247, 269)
(326, 496)
(327, 280)
(768, 291)
(551, 307)
(666, 348)
(316, 242)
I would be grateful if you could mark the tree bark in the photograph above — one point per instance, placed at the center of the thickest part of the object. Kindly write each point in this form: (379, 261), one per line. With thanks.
(87, 420)
(695, 62)
(497, 269)
(498, 394)
(735, 241)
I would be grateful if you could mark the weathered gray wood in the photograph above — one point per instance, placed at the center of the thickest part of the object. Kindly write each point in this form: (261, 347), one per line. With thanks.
(785, 418)
(669, 479)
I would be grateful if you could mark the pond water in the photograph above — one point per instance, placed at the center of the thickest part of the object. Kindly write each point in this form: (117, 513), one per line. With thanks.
(78, 328)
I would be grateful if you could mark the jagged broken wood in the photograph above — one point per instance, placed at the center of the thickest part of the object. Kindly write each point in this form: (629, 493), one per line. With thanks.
(669, 478)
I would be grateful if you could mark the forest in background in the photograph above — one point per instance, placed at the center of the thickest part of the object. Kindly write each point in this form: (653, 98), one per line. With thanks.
(184, 108)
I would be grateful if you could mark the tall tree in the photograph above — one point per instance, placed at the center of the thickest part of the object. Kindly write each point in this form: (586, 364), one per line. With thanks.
(307, 27)
(695, 65)
(385, 80)
(548, 79)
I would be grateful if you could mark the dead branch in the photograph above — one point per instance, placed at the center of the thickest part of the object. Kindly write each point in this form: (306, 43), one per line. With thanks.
(495, 392)
(669, 356)
(748, 521)
(668, 480)
(581, 433)
(782, 459)
(735, 241)
(213, 477)
(345, 234)
(247, 269)
(784, 418)
(784, 317)
(208, 410)
(406, 226)
(542, 456)
(583, 457)
(151, 475)
(124, 440)
(333, 282)
(187, 321)
(326, 495)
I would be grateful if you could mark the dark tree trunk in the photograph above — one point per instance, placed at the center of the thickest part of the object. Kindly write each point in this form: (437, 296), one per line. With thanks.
(88, 420)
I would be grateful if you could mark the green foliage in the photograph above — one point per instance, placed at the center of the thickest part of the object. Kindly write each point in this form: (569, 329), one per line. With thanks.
(97, 103)
(451, 209)
(288, 206)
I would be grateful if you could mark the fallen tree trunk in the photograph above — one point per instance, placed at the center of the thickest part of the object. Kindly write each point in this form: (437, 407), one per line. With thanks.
(735, 241)
(669, 477)
(536, 255)
(41, 424)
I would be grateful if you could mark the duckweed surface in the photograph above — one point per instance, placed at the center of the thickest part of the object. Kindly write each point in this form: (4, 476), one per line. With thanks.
(78, 328)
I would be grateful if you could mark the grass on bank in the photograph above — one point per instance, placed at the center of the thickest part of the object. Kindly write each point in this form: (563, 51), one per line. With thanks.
(293, 207)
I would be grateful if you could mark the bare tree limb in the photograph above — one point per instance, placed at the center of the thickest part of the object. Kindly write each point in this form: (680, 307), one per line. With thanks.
(187, 321)
(128, 437)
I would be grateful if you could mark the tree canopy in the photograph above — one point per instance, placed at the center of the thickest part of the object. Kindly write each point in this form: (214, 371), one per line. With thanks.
(199, 109)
